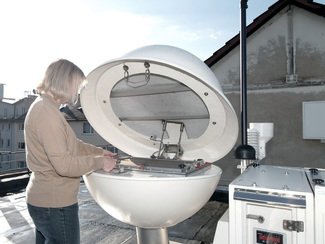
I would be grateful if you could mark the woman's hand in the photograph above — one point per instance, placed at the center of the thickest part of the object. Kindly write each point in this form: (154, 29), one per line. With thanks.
(109, 163)
(107, 153)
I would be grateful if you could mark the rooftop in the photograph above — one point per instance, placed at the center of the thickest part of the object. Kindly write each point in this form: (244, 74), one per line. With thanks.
(96, 226)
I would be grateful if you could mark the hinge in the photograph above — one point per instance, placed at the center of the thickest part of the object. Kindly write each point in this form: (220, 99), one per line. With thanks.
(292, 225)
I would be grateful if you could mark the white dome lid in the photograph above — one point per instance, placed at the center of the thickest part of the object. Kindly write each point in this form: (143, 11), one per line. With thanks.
(127, 109)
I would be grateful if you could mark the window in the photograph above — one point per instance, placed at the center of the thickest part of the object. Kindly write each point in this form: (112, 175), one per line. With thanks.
(8, 143)
(21, 126)
(21, 145)
(87, 129)
(22, 164)
(111, 149)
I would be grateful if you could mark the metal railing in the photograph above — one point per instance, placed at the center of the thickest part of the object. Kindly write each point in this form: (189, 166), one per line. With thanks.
(14, 167)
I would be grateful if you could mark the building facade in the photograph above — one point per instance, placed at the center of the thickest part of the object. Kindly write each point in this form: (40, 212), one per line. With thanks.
(12, 143)
(83, 130)
(285, 69)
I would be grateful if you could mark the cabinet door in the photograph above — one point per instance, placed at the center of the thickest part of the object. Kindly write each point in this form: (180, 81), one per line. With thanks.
(264, 224)
(319, 214)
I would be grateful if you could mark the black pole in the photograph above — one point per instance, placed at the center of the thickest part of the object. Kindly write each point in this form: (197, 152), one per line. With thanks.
(243, 68)
(244, 151)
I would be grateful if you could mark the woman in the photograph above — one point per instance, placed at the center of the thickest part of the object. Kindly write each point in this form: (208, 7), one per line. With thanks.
(57, 158)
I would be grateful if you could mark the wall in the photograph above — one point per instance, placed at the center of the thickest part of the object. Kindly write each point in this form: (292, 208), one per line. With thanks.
(271, 52)
(6, 110)
(290, 43)
(283, 107)
(94, 139)
(310, 46)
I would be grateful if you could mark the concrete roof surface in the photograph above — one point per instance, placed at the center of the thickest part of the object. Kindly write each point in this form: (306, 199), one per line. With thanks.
(96, 226)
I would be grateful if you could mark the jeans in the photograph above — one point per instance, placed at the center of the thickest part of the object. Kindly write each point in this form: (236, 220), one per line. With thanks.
(56, 225)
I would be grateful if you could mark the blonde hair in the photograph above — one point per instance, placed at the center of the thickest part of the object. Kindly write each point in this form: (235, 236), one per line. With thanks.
(62, 79)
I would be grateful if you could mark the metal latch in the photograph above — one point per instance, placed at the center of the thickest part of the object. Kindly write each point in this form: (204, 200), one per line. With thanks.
(259, 218)
(292, 225)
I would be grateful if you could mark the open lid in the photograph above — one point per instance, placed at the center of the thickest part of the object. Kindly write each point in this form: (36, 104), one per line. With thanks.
(127, 100)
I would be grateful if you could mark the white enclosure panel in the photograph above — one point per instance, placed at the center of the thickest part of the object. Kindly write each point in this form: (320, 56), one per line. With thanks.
(313, 119)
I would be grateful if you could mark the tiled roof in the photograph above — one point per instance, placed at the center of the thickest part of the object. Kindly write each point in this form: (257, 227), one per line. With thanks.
(73, 113)
(309, 5)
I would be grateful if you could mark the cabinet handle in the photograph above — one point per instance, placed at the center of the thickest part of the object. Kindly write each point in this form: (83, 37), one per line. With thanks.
(259, 218)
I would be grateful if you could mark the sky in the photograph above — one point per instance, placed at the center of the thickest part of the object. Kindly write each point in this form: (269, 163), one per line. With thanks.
(35, 33)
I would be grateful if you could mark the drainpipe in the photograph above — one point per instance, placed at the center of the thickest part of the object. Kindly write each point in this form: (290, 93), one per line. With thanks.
(244, 152)
(291, 77)
(290, 64)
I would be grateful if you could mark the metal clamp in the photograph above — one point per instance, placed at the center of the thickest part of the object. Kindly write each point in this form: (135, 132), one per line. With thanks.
(292, 225)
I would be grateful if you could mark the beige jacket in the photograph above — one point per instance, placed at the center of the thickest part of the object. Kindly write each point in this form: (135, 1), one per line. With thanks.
(55, 156)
